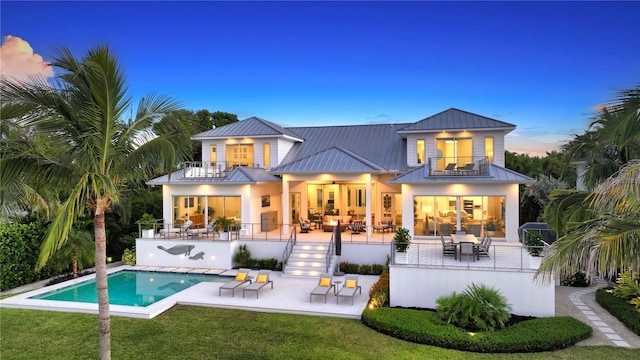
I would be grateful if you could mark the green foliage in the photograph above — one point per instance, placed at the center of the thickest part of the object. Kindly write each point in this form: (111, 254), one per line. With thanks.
(478, 308)
(533, 239)
(620, 308)
(578, 279)
(19, 247)
(349, 268)
(146, 221)
(402, 239)
(78, 251)
(628, 288)
(379, 292)
(490, 226)
(129, 256)
(242, 258)
(364, 269)
(377, 269)
(223, 223)
(425, 327)
(268, 263)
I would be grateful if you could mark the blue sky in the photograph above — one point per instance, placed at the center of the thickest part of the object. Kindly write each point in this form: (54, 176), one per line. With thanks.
(543, 66)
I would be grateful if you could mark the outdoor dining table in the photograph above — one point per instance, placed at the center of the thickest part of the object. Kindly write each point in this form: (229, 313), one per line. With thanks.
(460, 238)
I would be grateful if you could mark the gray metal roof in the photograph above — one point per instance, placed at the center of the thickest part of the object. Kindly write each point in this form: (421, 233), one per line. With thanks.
(251, 127)
(378, 147)
(333, 160)
(497, 175)
(239, 175)
(453, 120)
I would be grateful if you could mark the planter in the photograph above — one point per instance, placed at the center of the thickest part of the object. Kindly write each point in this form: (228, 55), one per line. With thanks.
(148, 233)
(402, 257)
(491, 232)
(224, 236)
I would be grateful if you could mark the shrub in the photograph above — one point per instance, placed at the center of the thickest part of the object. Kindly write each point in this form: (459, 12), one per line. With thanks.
(242, 258)
(402, 239)
(578, 279)
(628, 288)
(349, 268)
(268, 263)
(129, 256)
(379, 293)
(365, 269)
(478, 308)
(619, 308)
(534, 239)
(425, 327)
(377, 269)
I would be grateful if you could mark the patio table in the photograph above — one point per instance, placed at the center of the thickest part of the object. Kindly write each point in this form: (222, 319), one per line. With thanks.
(458, 238)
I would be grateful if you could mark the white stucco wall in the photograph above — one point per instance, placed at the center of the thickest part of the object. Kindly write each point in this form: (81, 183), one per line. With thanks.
(420, 287)
(215, 254)
(365, 253)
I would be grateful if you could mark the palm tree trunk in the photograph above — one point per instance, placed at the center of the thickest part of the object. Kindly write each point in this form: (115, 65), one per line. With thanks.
(74, 268)
(101, 280)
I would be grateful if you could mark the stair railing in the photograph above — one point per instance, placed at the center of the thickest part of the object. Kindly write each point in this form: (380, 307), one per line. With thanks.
(329, 255)
(288, 249)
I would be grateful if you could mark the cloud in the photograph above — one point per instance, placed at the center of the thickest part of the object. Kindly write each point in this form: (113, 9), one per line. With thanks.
(19, 62)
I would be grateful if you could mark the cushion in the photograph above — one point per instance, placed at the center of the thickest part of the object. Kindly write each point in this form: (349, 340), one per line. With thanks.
(262, 278)
(241, 276)
(351, 283)
(325, 282)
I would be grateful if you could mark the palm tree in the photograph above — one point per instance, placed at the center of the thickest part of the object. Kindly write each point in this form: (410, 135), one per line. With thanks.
(97, 153)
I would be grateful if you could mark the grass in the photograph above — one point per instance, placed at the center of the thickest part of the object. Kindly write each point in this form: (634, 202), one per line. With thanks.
(186, 332)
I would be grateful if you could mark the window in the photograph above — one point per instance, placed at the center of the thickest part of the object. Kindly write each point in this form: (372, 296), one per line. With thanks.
(266, 154)
(488, 148)
(213, 155)
(454, 151)
(420, 150)
(239, 155)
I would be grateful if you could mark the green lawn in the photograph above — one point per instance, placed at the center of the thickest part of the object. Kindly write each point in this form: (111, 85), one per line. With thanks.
(186, 332)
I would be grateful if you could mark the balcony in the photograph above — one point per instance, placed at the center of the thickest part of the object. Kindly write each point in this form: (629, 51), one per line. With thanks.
(205, 169)
(458, 166)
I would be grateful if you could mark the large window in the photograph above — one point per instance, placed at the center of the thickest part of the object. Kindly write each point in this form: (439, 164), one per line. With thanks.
(202, 210)
(266, 154)
(239, 155)
(420, 150)
(456, 151)
(213, 155)
(443, 215)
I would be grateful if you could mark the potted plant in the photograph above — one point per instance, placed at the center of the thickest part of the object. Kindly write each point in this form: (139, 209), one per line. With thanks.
(402, 240)
(490, 226)
(147, 225)
(223, 224)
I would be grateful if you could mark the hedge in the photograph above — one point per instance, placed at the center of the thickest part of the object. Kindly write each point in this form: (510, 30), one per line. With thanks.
(424, 327)
(620, 308)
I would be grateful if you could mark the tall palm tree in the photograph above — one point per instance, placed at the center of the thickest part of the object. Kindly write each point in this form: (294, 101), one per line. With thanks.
(97, 151)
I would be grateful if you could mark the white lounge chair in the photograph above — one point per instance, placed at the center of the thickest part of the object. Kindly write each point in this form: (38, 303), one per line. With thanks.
(178, 231)
(325, 284)
(261, 281)
(242, 277)
(209, 229)
(349, 289)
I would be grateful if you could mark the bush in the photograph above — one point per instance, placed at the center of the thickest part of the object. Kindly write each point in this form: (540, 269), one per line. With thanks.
(242, 258)
(534, 239)
(379, 293)
(267, 264)
(425, 327)
(478, 308)
(349, 268)
(129, 256)
(620, 308)
(578, 279)
(377, 269)
(628, 288)
(365, 269)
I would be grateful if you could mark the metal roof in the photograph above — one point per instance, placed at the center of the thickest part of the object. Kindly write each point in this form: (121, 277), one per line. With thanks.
(239, 175)
(251, 127)
(453, 120)
(377, 146)
(333, 160)
(497, 175)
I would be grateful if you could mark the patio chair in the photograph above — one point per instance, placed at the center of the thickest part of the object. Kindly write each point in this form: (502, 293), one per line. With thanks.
(178, 231)
(349, 288)
(483, 250)
(469, 249)
(305, 226)
(467, 169)
(451, 167)
(324, 286)
(356, 227)
(209, 229)
(448, 248)
(242, 277)
(261, 281)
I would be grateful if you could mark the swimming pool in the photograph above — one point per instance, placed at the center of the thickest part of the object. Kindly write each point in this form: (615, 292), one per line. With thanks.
(131, 288)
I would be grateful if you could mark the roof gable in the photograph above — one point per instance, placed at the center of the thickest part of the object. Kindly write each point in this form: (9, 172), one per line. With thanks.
(497, 174)
(455, 119)
(251, 127)
(332, 160)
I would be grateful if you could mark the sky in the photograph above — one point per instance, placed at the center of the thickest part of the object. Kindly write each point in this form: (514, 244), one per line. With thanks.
(542, 66)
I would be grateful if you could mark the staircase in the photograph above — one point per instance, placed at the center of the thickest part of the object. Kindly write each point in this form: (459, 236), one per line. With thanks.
(307, 260)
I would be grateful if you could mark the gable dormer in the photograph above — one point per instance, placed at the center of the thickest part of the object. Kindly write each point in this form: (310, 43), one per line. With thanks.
(253, 142)
(455, 137)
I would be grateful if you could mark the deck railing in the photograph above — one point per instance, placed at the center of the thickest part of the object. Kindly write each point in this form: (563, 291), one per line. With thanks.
(330, 252)
(206, 169)
(458, 166)
(288, 249)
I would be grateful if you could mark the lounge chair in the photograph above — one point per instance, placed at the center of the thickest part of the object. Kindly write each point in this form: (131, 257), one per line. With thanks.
(356, 227)
(448, 248)
(451, 167)
(210, 229)
(178, 231)
(325, 284)
(468, 168)
(242, 277)
(261, 281)
(349, 288)
(305, 226)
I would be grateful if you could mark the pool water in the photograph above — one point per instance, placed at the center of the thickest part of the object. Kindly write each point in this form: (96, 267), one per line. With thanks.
(131, 288)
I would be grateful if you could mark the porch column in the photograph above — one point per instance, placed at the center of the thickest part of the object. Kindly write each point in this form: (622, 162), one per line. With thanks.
(285, 204)
(368, 197)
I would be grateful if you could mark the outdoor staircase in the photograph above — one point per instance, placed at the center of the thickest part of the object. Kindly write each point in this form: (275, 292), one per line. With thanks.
(307, 260)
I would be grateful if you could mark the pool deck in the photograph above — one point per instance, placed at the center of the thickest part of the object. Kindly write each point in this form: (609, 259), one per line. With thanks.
(289, 295)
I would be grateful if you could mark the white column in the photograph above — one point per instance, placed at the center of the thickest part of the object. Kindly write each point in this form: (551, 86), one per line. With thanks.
(285, 204)
(368, 197)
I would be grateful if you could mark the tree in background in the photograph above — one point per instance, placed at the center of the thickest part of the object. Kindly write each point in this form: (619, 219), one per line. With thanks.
(97, 152)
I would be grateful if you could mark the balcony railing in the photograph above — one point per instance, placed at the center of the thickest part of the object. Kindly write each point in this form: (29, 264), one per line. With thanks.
(205, 169)
(458, 166)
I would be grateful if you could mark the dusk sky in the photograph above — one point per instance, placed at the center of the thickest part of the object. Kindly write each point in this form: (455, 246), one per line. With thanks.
(543, 66)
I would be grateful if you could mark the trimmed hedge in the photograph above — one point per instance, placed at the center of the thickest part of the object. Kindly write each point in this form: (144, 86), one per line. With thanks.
(424, 327)
(620, 308)
(365, 269)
